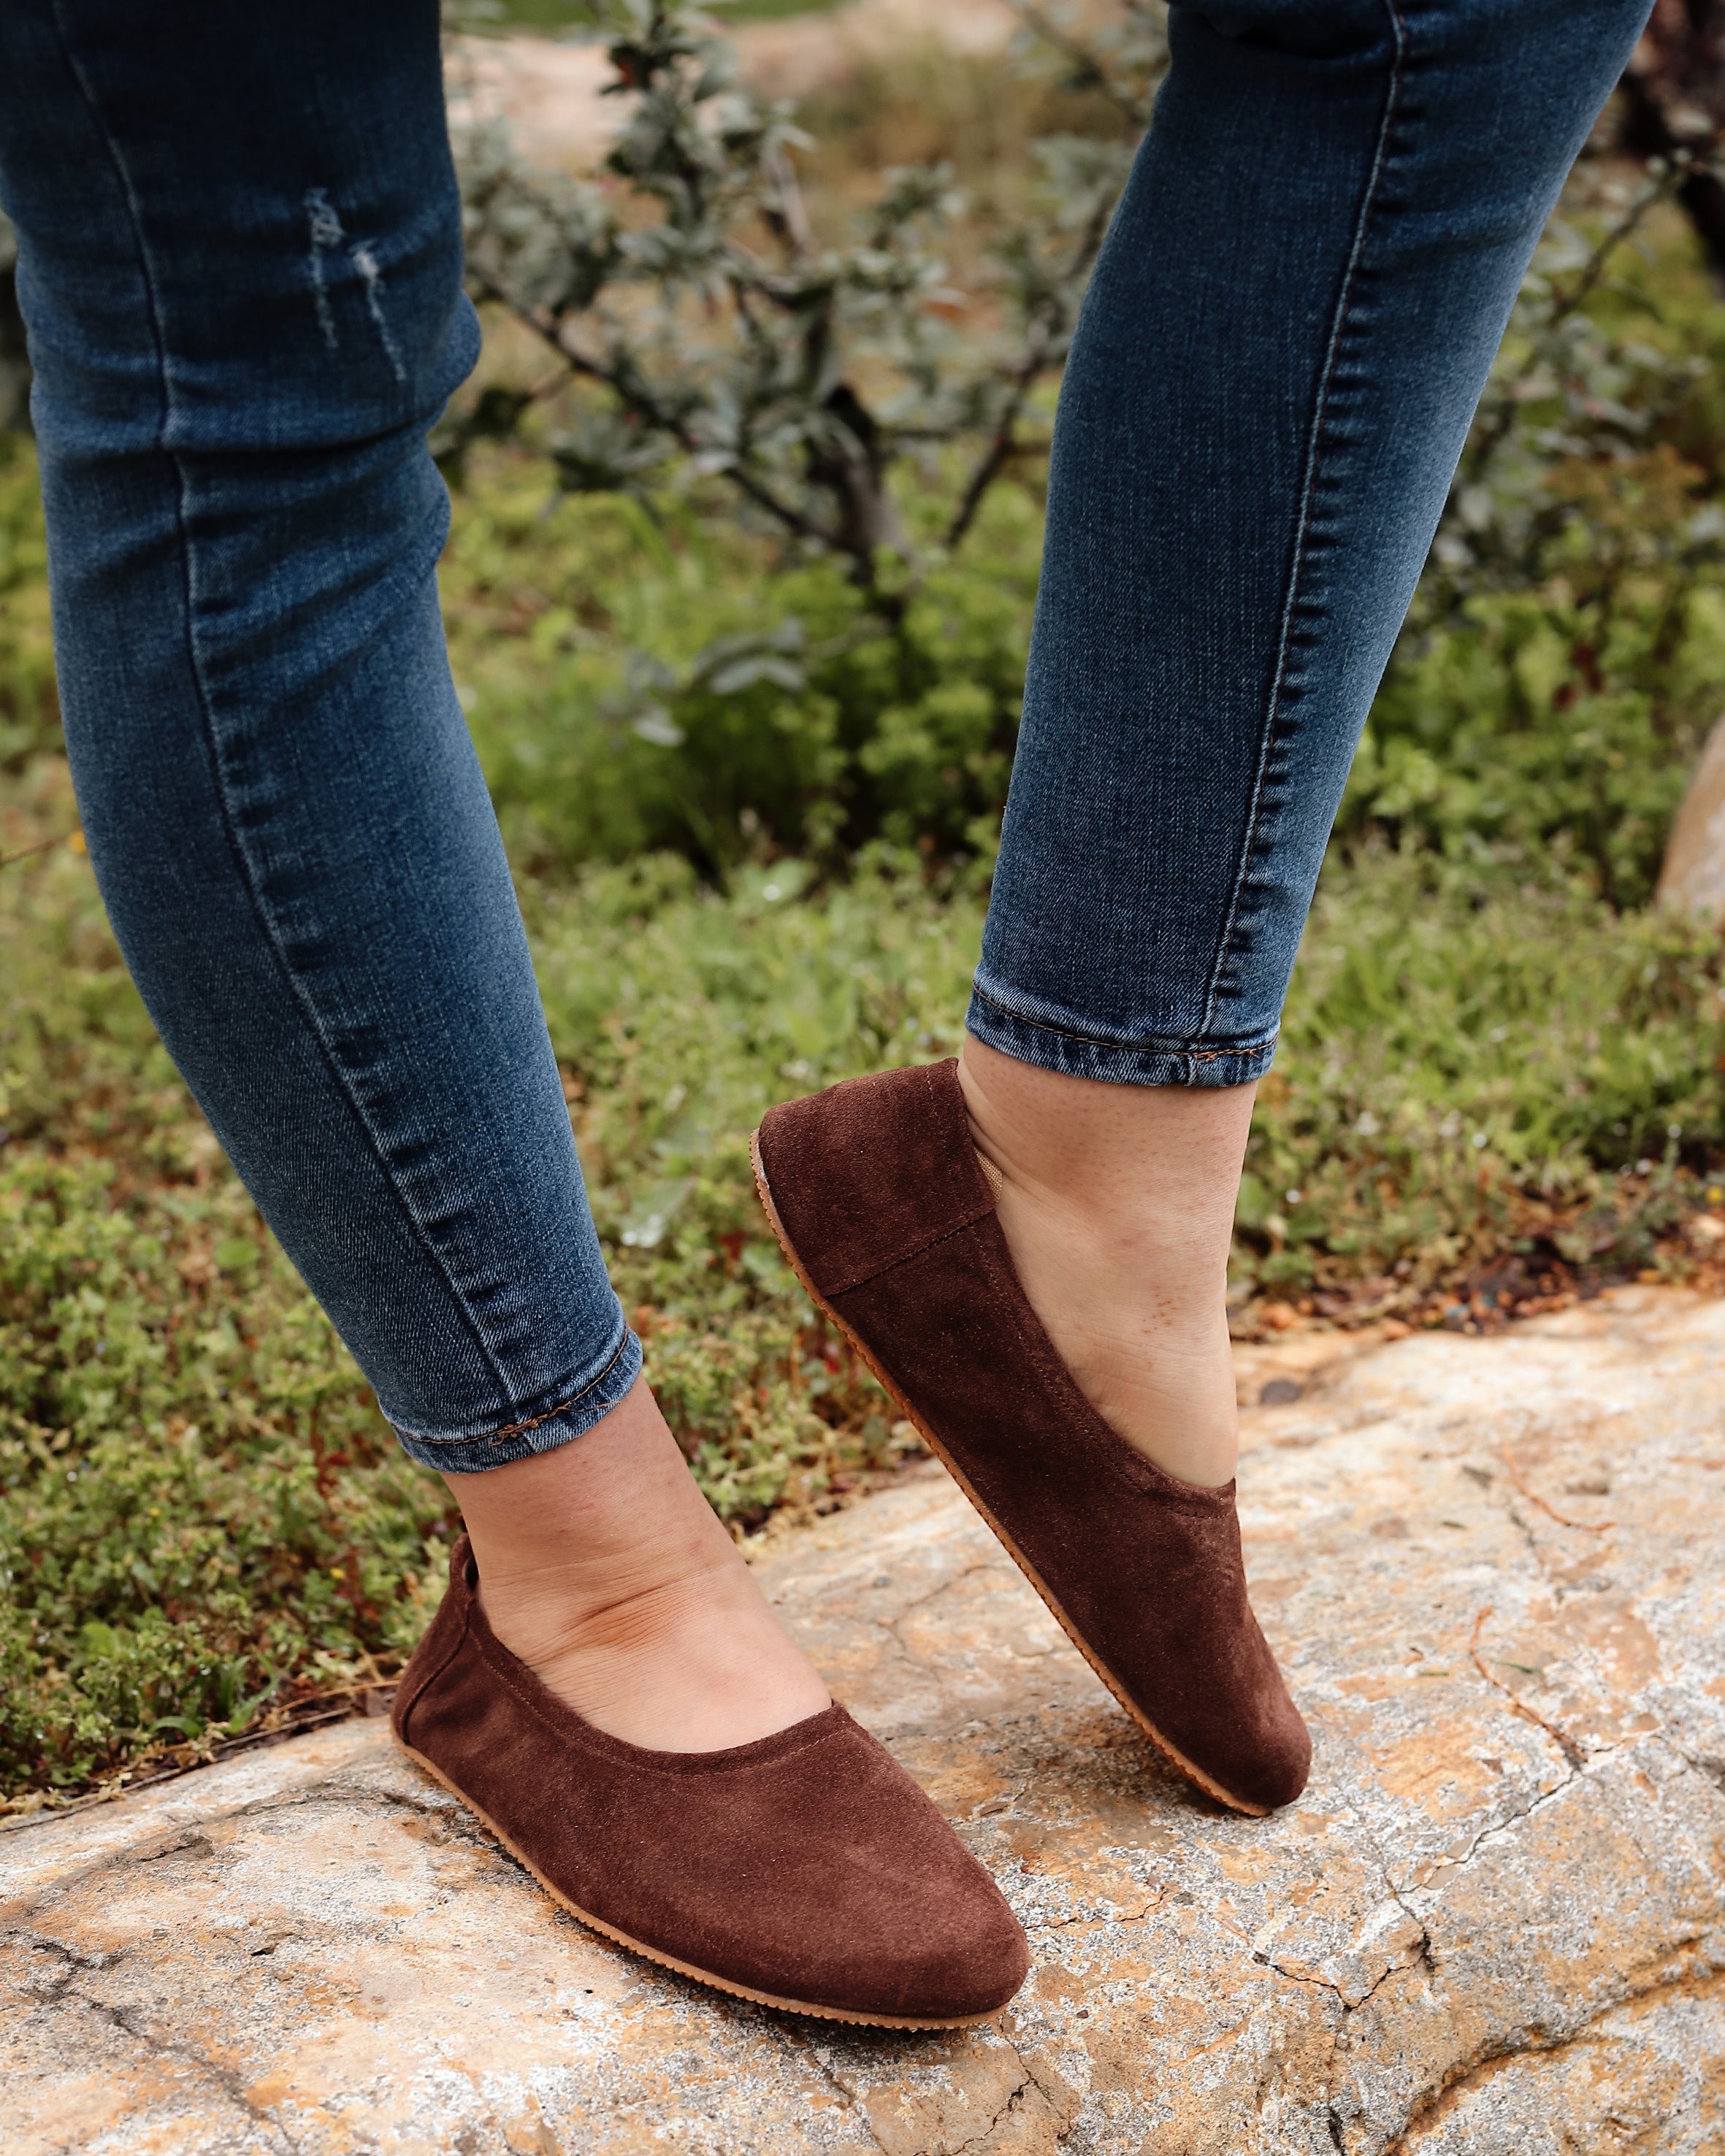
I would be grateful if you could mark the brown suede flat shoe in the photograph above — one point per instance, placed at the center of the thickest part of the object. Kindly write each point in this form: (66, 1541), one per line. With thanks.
(806, 1870)
(874, 1190)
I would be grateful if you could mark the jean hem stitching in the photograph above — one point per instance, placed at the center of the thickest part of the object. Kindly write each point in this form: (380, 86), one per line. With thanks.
(526, 1422)
(1155, 1045)
(533, 1422)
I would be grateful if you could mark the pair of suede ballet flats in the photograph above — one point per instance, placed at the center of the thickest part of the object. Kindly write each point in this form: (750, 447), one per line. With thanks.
(807, 1869)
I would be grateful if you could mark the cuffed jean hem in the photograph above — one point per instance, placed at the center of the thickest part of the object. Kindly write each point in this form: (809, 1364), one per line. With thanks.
(567, 1413)
(1118, 1063)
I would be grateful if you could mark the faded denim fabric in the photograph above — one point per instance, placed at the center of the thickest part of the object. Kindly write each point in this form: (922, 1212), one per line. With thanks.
(240, 266)
(1275, 367)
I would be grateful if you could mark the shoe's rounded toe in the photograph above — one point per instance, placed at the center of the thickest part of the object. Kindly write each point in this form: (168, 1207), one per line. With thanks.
(964, 1957)
(1279, 1763)
(1261, 1757)
(987, 1958)
(888, 1917)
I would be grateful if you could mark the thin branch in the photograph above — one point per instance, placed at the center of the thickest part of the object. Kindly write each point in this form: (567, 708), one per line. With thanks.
(1567, 303)
(1003, 443)
(1023, 379)
(637, 393)
(41, 846)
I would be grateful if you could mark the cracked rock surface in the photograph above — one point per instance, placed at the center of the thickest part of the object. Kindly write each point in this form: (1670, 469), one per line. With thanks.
(1495, 1570)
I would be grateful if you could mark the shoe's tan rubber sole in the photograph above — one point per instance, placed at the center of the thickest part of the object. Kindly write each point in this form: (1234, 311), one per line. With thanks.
(669, 1961)
(1171, 1753)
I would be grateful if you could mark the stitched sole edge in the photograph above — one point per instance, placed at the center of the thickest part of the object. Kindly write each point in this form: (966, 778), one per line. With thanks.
(1171, 1753)
(669, 1961)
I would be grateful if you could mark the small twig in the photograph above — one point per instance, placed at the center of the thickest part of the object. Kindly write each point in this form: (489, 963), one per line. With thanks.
(790, 217)
(999, 448)
(41, 846)
(1533, 1497)
(1572, 1751)
(635, 393)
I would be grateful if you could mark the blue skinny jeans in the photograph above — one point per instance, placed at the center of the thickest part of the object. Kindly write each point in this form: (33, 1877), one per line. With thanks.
(239, 263)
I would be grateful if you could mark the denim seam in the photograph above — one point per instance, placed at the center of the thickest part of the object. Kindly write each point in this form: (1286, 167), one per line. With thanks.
(260, 912)
(1308, 489)
(75, 70)
(1151, 1045)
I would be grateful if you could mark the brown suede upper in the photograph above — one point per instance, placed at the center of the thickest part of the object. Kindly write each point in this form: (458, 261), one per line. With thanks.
(883, 1205)
(807, 1865)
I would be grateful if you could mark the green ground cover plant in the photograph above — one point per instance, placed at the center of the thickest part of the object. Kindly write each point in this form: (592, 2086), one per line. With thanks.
(204, 1524)
(628, 694)
(752, 811)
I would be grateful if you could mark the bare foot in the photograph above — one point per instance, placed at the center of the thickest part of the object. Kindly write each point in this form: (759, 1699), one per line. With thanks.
(603, 1566)
(1117, 1204)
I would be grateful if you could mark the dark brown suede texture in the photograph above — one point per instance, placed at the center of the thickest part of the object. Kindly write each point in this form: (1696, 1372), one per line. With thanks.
(882, 1206)
(807, 1868)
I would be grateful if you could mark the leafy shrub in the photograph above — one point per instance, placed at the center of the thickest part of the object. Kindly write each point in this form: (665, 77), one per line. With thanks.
(703, 333)
(803, 722)
(1565, 657)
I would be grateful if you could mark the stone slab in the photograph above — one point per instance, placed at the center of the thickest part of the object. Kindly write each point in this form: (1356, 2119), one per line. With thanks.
(1495, 1925)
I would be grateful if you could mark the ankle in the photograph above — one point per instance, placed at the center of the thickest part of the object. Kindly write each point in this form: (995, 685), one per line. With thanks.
(604, 1569)
(615, 1510)
(1116, 1203)
(557, 1614)
(1159, 1152)
(1149, 1174)
(1126, 1245)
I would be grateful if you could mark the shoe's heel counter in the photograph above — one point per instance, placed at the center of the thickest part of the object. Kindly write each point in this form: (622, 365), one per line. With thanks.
(869, 1172)
(440, 1644)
